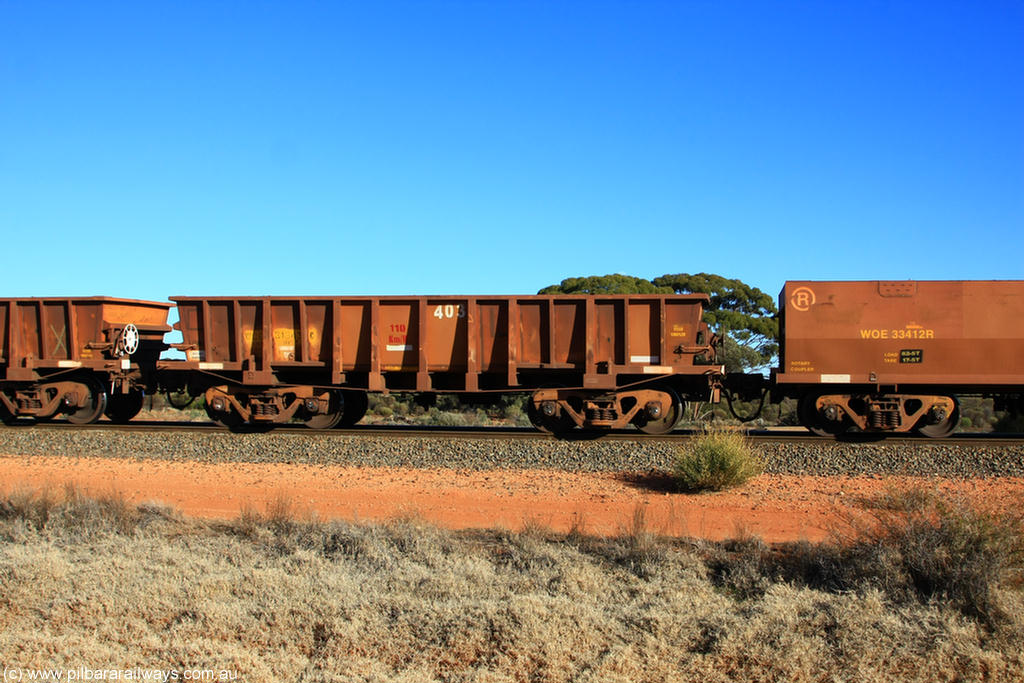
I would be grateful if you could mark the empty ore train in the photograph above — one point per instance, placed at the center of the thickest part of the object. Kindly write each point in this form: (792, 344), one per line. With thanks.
(870, 356)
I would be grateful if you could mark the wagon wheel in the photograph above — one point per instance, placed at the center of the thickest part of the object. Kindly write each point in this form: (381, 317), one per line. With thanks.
(95, 403)
(175, 403)
(6, 416)
(121, 408)
(666, 420)
(941, 430)
(807, 411)
(225, 418)
(555, 424)
(353, 407)
(333, 415)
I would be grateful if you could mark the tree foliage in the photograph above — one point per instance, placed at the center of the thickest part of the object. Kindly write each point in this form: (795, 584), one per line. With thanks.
(743, 315)
(606, 284)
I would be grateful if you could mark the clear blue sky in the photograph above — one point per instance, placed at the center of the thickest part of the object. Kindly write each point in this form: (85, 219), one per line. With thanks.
(157, 148)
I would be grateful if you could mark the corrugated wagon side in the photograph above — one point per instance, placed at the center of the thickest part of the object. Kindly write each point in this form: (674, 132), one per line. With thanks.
(597, 361)
(893, 356)
(79, 356)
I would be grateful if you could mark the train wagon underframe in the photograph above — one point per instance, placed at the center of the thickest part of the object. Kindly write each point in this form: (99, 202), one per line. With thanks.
(83, 393)
(559, 401)
(929, 410)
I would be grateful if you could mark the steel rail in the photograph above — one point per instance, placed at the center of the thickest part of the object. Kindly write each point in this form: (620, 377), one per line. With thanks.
(528, 433)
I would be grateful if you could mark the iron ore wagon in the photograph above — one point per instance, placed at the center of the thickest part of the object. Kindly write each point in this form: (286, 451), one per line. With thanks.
(893, 356)
(588, 361)
(81, 357)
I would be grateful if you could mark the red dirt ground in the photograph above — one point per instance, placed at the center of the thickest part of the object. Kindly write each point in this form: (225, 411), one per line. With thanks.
(774, 507)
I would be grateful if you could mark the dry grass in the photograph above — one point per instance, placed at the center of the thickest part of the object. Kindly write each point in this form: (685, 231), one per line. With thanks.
(928, 547)
(273, 597)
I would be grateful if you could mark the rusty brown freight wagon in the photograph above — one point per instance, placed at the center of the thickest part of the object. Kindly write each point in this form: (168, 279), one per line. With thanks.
(589, 361)
(893, 356)
(78, 356)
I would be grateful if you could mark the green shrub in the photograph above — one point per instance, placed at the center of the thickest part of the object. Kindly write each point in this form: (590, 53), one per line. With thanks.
(716, 460)
(447, 419)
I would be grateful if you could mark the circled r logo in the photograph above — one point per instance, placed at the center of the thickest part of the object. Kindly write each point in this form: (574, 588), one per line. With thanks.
(802, 298)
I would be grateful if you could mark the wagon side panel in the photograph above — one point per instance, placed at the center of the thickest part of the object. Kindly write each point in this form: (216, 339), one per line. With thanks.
(354, 330)
(492, 332)
(644, 333)
(446, 335)
(994, 328)
(903, 333)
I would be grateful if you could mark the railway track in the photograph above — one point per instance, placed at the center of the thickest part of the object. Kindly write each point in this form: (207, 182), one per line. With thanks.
(505, 448)
(783, 435)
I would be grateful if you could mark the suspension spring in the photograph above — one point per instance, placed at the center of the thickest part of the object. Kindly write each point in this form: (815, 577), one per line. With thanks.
(29, 404)
(263, 409)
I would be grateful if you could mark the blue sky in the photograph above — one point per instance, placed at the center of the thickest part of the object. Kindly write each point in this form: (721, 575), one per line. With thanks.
(156, 148)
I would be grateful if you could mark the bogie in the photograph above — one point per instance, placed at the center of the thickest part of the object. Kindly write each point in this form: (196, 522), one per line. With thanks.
(928, 415)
